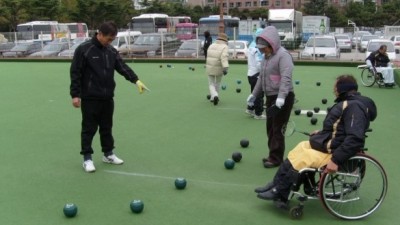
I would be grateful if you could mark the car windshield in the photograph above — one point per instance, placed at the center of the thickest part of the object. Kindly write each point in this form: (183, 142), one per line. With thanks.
(369, 37)
(20, 47)
(52, 47)
(373, 46)
(188, 45)
(236, 45)
(148, 40)
(342, 37)
(321, 42)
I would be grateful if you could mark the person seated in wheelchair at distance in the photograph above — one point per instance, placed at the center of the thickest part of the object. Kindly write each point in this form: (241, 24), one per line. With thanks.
(381, 62)
(341, 137)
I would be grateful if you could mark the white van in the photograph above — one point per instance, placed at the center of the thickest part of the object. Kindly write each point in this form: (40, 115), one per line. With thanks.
(124, 39)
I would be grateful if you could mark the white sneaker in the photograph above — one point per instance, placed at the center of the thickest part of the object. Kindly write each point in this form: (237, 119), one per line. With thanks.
(112, 159)
(260, 117)
(250, 112)
(88, 166)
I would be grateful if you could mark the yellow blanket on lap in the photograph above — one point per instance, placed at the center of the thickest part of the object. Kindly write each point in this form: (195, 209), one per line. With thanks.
(303, 156)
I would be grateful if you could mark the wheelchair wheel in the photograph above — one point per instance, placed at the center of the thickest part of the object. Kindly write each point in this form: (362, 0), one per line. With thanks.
(296, 212)
(379, 80)
(356, 190)
(367, 77)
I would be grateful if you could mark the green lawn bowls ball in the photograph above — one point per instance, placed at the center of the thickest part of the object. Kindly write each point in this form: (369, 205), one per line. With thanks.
(314, 121)
(237, 156)
(70, 210)
(244, 143)
(229, 164)
(297, 82)
(223, 87)
(238, 81)
(190, 68)
(137, 206)
(297, 111)
(180, 183)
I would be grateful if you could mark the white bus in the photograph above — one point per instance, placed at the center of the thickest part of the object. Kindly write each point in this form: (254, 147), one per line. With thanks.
(41, 31)
(77, 30)
(150, 23)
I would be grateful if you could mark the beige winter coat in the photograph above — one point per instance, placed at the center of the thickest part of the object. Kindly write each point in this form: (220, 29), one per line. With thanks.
(217, 58)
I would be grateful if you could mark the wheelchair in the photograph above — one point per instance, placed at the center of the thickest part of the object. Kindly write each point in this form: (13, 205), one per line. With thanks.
(369, 76)
(355, 191)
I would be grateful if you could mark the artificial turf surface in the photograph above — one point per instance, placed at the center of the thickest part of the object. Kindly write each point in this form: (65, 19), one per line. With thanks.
(170, 132)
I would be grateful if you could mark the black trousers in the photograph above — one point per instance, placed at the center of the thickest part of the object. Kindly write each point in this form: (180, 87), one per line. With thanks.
(258, 103)
(284, 178)
(276, 140)
(97, 114)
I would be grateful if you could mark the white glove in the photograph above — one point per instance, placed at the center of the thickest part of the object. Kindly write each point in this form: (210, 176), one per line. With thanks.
(250, 100)
(279, 102)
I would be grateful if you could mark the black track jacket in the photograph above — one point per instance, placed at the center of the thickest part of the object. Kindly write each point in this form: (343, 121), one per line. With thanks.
(92, 71)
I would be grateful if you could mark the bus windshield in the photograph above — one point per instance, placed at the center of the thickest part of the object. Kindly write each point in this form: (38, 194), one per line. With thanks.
(282, 26)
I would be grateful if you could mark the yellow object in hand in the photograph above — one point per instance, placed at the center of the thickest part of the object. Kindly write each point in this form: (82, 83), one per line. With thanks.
(141, 87)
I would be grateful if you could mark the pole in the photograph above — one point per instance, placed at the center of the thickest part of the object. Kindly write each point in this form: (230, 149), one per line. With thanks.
(221, 18)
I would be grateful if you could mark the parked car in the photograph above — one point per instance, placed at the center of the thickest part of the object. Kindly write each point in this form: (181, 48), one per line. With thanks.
(364, 41)
(324, 46)
(343, 42)
(51, 49)
(23, 49)
(190, 48)
(238, 49)
(69, 52)
(374, 45)
(355, 40)
(150, 45)
(125, 40)
(396, 42)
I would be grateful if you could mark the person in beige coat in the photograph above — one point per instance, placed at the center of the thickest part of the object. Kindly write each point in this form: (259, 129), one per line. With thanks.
(217, 65)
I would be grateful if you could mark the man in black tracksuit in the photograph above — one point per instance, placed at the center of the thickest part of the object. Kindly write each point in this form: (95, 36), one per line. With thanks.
(92, 89)
(342, 136)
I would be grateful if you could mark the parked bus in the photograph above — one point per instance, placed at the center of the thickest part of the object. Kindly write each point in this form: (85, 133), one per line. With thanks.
(150, 23)
(40, 31)
(175, 20)
(77, 30)
(211, 23)
(186, 31)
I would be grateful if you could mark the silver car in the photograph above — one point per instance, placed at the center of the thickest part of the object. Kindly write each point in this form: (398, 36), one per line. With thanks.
(364, 41)
(22, 49)
(51, 49)
(190, 48)
(344, 42)
(324, 47)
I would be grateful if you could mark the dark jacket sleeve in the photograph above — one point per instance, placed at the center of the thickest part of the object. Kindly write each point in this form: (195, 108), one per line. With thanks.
(124, 69)
(355, 124)
(76, 72)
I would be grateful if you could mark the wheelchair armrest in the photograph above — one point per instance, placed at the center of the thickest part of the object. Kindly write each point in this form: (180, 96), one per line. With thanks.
(362, 66)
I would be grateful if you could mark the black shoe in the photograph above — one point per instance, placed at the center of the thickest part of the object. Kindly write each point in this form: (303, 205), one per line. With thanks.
(265, 188)
(216, 100)
(269, 164)
(269, 195)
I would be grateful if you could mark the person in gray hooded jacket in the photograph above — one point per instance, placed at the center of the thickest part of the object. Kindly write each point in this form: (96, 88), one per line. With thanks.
(275, 81)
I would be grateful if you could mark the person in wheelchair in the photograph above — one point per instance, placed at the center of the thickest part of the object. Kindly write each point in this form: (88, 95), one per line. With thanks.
(341, 137)
(379, 61)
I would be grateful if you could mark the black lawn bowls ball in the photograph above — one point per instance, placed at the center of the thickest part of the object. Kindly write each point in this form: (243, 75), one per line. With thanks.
(208, 97)
(193, 69)
(244, 143)
(229, 164)
(310, 113)
(238, 90)
(70, 210)
(237, 156)
(160, 66)
(297, 111)
(180, 183)
(318, 83)
(316, 109)
(314, 121)
(137, 206)
(324, 101)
